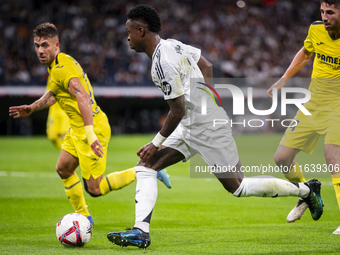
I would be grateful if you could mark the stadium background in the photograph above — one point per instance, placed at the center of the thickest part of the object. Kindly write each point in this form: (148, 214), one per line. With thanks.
(197, 216)
(257, 42)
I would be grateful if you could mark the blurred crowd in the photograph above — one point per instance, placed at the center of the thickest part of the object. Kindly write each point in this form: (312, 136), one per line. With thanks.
(256, 40)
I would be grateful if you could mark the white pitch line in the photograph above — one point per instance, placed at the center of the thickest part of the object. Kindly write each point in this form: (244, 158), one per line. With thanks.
(28, 174)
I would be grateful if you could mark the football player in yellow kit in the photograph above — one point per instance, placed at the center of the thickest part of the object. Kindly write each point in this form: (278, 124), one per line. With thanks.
(86, 142)
(324, 40)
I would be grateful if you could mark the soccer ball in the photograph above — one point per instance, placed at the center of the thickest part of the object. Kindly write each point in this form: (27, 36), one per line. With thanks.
(74, 229)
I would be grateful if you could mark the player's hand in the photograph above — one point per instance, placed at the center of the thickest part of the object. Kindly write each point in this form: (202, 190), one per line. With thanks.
(97, 148)
(147, 151)
(278, 85)
(20, 111)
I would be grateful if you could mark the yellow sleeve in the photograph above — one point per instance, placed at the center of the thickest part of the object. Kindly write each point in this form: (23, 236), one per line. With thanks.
(65, 73)
(309, 42)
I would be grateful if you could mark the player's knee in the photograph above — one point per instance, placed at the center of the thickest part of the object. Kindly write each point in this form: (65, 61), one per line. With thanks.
(331, 158)
(63, 173)
(93, 192)
(280, 159)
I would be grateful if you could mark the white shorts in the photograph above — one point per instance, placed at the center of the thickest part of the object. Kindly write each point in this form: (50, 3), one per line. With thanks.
(215, 146)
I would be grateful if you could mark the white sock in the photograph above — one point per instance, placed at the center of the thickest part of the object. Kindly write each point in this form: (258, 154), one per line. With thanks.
(268, 186)
(146, 196)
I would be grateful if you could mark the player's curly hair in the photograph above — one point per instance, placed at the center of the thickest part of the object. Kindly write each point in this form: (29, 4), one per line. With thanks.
(45, 30)
(147, 15)
(331, 2)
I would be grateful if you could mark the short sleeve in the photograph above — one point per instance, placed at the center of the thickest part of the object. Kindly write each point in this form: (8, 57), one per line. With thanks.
(309, 42)
(194, 52)
(170, 82)
(64, 73)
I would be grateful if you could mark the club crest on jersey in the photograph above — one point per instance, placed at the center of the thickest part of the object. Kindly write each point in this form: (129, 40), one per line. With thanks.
(178, 49)
(166, 88)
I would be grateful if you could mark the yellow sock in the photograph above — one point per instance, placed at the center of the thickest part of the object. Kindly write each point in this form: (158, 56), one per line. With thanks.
(75, 193)
(117, 180)
(336, 184)
(295, 174)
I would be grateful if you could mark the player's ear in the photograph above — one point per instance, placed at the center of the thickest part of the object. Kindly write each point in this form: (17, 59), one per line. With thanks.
(141, 31)
(57, 44)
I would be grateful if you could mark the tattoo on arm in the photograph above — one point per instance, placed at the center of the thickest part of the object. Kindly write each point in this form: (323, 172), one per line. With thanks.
(76, 90)
(44, 102)
(42, 105)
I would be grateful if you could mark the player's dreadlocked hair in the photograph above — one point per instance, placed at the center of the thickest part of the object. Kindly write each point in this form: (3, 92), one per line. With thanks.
(331, 2)
(45, 30)
(147, 15)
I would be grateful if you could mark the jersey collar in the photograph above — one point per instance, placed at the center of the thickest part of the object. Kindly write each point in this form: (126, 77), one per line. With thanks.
(333, 37)
(54, 63)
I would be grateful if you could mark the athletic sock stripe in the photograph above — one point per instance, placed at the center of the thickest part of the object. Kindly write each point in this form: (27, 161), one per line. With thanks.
(148, 218)
(72, 185)
(145, 171)
(108, 183)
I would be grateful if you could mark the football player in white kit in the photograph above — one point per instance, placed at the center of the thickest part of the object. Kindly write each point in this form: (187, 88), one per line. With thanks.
(187, 131)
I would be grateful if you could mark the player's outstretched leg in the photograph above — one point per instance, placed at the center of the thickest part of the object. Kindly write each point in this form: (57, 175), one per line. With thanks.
(267, 186)
(163, 176)
(297, 212)
(118, 180)
(130, 237)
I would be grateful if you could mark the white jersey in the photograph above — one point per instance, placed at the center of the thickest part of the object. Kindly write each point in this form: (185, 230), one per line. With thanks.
(175, 71)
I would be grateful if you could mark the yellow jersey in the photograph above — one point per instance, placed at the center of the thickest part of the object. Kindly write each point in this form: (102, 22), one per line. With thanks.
(61, 71)
(56, 109)
(325, 83)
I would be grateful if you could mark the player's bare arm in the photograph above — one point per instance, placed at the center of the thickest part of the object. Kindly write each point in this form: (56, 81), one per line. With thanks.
(26, 110)
(205, 67)
(175, 115)
(300, 60)
(84, 104)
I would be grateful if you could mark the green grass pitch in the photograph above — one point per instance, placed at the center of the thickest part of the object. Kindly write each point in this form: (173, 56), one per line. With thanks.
(196, 216)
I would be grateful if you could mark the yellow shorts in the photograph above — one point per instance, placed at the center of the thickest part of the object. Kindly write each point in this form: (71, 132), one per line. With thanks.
(75, 143)
(305, 136)
(57, 123)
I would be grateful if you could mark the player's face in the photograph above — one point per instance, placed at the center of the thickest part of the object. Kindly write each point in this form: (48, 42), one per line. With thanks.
(331, 18)
(134, 36)
(46, 49)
